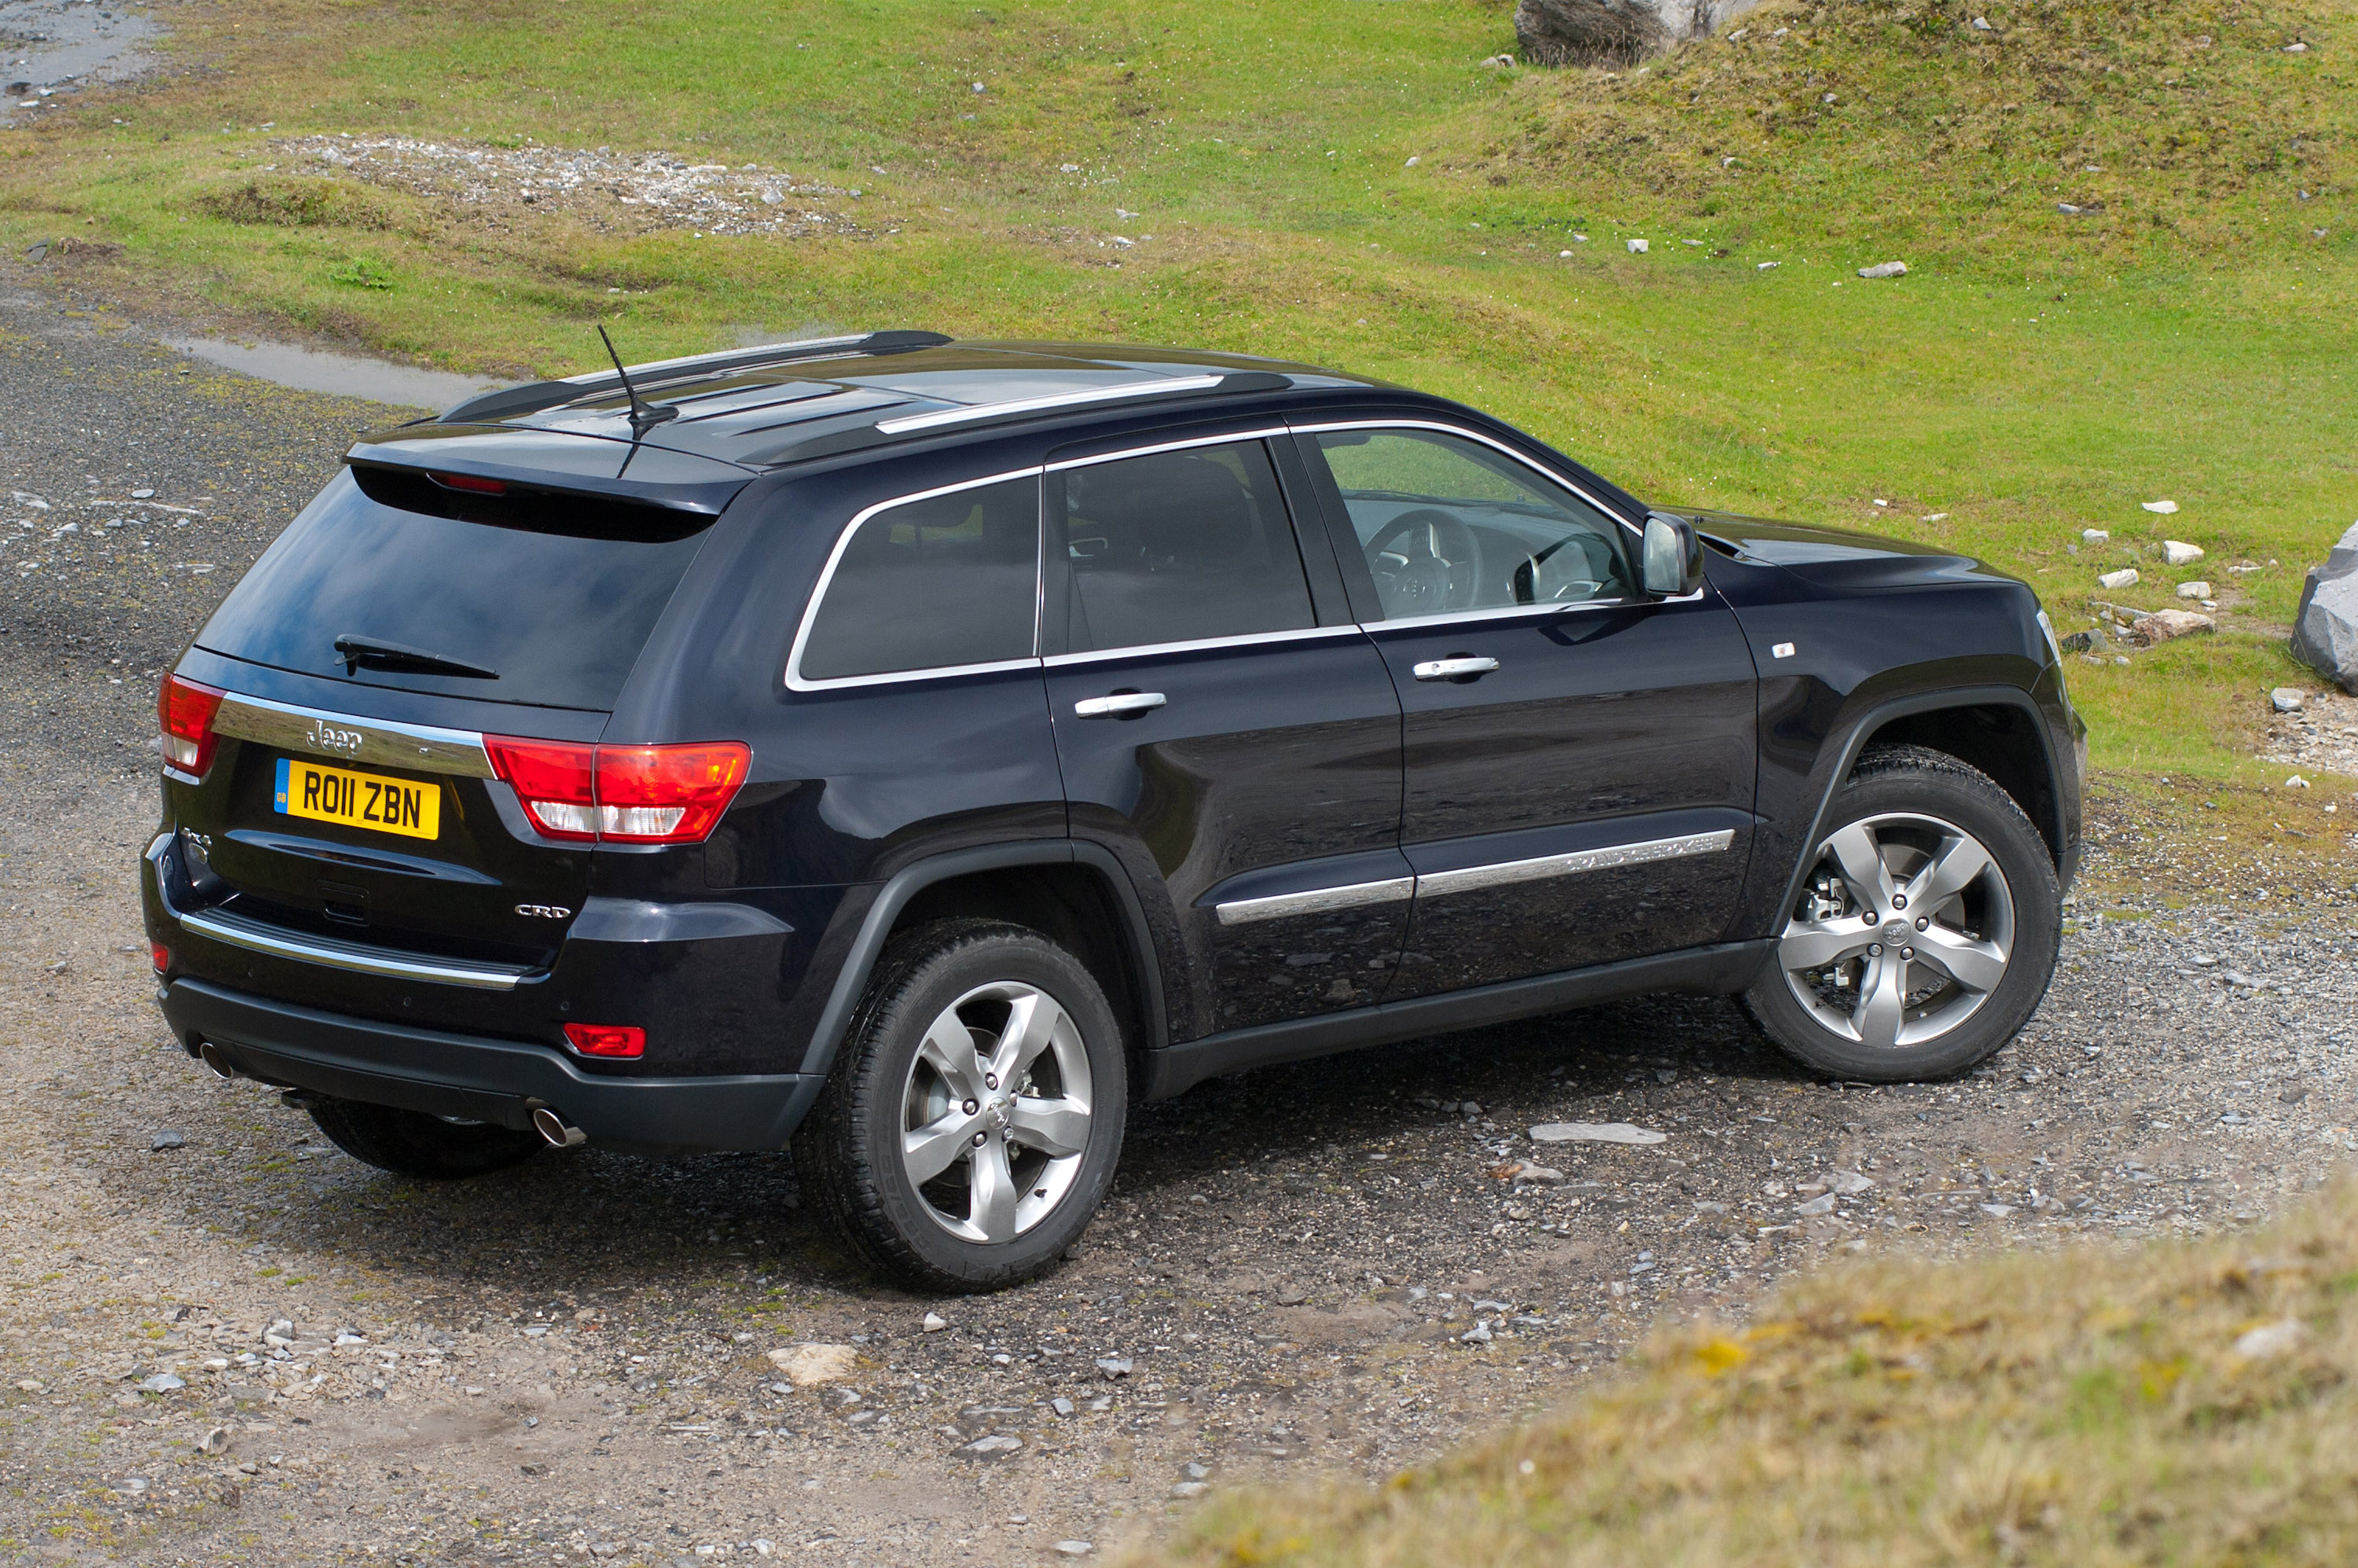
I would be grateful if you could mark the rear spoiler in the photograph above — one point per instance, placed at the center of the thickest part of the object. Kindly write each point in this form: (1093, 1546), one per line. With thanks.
(548, 463)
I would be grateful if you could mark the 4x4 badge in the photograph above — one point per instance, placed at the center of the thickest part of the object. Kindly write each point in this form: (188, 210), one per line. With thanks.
(543, 911)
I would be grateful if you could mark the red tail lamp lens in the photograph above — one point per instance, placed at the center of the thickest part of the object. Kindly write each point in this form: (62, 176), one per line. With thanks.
(553, 779)
(623, 794)
(607, 1039)
(666, 794)
(185, 710)
(471, 484)
(159, 956)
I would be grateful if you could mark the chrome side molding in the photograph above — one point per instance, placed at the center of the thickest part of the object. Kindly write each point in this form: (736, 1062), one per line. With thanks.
(237, 931)
(1437, 885)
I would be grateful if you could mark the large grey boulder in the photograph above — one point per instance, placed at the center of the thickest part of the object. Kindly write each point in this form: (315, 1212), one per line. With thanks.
(1615, 32)
(2325, 630)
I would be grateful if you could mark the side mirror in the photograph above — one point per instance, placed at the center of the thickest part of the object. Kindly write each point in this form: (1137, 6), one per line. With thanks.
(1673, 557)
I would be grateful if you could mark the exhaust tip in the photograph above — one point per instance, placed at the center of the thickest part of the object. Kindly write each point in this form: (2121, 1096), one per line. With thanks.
(554, 1128)
(213, 1056)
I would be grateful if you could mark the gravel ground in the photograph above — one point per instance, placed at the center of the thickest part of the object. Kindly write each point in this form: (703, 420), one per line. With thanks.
(223, 1341)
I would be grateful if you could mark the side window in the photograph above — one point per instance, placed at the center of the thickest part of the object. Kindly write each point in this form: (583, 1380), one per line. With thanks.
(932, 584)
(1447, 524)
(1176, 546)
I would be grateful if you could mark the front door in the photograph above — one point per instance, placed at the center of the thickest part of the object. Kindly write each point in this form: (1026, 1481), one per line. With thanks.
(1578, 759)
(1241, 756)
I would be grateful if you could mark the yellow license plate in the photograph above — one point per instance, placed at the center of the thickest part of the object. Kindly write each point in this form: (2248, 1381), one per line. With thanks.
(359, 800)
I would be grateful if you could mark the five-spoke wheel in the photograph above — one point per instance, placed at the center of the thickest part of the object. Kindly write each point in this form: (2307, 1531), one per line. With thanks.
(1924, 928)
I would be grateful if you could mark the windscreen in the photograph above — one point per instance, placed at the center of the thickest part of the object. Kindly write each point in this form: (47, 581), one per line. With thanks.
(543, 599)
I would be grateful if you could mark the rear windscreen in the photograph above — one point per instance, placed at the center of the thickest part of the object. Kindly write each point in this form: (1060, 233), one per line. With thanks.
(495, 599)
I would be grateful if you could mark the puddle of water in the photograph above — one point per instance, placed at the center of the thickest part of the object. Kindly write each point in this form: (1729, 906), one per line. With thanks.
(339, 375)
(50, 45)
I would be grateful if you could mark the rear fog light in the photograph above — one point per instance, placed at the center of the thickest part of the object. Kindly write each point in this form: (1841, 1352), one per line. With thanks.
(159, 956)
(607, 1039)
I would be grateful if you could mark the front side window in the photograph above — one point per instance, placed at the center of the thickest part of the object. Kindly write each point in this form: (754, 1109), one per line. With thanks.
(934, 584)
(1447, 524)
(1176, 547)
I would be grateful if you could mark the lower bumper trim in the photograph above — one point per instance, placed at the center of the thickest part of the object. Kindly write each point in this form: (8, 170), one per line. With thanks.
(497, 1081)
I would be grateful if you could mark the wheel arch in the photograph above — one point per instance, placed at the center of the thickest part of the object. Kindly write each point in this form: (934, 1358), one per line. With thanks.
(1075, 893)
(1998, 730)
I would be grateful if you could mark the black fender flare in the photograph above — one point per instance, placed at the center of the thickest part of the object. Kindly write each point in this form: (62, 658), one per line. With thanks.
(1862, 727)
(876, 927)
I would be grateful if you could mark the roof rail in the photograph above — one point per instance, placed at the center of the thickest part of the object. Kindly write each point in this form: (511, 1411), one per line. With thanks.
(1243, 381)
(533, 396)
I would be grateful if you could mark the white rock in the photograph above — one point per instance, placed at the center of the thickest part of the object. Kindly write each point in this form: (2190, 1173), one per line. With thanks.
(1593, 1132)
(2288, 699)
(809, 1366)
(2179, 553)
(1540, 1175)
(1115, 1366)
(1885, 269)
(1191, 1488)
(2271, 1339)
(991, 1447)
(161, 1383)
(1478, 1334)
(1077, 1548)
(2295, 781)
(2125, 577)
(1848, 1182)
(2195, 589)
(2164, 507)
(2095, 536)
(1636, 247)
(1823, 1204)
(935, 1323)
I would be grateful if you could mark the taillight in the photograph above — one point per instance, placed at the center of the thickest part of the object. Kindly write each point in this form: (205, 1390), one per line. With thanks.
(551, 778)
(666, 794)
(607, 1039)
(623, 794)
(185, 710)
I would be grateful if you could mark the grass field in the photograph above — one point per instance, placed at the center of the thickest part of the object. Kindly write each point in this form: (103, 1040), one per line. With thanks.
(1351, 184)
(2178, 1403)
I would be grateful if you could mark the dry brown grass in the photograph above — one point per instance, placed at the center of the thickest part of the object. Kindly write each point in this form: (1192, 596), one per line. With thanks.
(2090, 1406)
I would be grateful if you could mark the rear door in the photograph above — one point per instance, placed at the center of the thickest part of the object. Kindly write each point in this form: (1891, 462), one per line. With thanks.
(396, 621)
(1238, 749)
(1579, 761)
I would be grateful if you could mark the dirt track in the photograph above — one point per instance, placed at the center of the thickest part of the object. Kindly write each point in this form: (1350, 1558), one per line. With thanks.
(571, 1358)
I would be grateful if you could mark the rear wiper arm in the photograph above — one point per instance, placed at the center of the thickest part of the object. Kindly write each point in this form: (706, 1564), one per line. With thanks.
(380, 655)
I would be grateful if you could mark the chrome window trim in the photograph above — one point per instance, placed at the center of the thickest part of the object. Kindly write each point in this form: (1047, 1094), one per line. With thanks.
(1246, 639)
(421, 748)
(1266, 434)
(1547, 473)
(1469, 879)
(909, 423)
(1541, 868)
(1316, 900)
(795, 679)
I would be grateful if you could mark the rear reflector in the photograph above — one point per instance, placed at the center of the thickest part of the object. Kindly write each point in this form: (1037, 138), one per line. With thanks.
(607, 1039)
(623, 794)
(159, 956)
(185, 710)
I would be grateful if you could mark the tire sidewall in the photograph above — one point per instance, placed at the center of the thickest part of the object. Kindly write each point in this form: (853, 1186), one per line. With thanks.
(912, 1243)
(1948, 790)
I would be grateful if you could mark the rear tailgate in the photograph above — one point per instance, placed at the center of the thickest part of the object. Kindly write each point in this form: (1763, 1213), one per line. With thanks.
(403, 616)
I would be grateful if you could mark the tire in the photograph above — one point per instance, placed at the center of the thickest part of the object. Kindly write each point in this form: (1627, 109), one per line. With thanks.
(410, 1143)
(1923, 991)
(940, 1020)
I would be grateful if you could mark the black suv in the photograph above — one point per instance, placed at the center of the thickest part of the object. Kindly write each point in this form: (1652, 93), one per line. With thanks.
(917, 751)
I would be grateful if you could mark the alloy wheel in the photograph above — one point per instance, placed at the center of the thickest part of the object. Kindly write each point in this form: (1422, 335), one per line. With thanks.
(1905, 928)
(995, 1116)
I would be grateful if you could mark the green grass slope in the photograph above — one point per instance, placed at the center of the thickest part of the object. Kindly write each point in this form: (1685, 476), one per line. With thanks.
(2089, 1408)
(1353, 184)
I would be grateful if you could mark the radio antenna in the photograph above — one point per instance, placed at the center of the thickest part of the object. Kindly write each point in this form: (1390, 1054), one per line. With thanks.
(645, 415)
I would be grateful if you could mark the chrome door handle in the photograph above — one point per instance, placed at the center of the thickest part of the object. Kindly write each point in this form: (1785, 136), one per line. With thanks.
(1454, 669)
(1120, 705)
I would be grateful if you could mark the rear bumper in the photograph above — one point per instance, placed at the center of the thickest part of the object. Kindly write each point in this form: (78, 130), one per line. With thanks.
(496, 1081)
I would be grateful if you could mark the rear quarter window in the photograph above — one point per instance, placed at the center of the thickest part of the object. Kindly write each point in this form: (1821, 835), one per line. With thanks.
(939, 583)
(556, 617)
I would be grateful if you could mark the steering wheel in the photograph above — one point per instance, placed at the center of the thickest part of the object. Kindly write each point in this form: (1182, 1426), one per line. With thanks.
(1423, 562)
